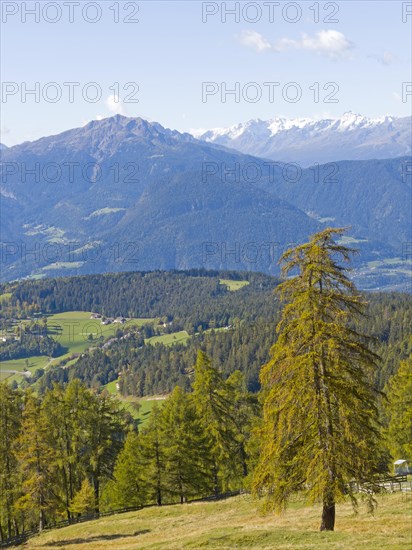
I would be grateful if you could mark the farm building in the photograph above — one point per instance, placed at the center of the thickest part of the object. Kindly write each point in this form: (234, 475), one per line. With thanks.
(402, 467)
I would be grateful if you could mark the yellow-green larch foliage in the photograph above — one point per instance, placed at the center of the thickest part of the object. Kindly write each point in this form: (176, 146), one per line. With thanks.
(320, 424)
(399, 411)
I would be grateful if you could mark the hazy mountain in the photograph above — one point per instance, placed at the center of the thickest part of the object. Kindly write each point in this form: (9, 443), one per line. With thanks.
(125, 194)
(307, 141)
(133, 195)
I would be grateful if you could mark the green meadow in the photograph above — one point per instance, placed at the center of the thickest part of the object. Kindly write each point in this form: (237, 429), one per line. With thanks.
(236, 523)
(233, 285)
(76, 332)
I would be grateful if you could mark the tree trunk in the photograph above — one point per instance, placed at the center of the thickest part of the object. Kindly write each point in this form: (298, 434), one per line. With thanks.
(16, 527)
(96, 494)
(41, 520)
(158, 496)
(215, 480)
(328, 516)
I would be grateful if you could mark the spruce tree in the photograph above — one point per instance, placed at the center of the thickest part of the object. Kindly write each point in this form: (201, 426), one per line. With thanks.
(320, 423)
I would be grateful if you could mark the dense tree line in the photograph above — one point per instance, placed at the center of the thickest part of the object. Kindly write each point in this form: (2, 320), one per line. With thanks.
(76, 451)
(194, 298)
(194, 301)
(49, 447)
(148, 369)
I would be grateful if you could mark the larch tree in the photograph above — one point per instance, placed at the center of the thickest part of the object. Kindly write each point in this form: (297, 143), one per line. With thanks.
(10, 426)
(320, 430)
(36, 463)
(105, 425)
(187, 448)
(151, 448)
(129, 486)
(399, 411)
(214, 401)
(65, 415)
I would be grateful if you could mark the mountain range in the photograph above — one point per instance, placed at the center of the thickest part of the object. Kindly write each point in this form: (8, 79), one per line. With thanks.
(124, 194)
(307, 141)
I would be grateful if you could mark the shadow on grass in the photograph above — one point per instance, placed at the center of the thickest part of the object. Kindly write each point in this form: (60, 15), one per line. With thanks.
(97, 538)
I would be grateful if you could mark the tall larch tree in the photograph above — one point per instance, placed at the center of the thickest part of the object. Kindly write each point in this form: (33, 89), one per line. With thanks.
(399, 411)
(214, 399)
(152, 450)
(187, 448)
(320, 421)
(36, 463)
(10, 426)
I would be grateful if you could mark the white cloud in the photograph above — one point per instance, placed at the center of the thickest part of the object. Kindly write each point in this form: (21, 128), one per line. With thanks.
(387, 58)
(115, 106)
(331, 43)
(255, 41)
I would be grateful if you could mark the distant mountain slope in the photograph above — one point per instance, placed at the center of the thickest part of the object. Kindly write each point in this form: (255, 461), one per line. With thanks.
(133, 195)
(125, 194)
(307, 141)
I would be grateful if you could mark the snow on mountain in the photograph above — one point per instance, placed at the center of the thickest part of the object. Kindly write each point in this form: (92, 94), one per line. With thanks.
(308, 141)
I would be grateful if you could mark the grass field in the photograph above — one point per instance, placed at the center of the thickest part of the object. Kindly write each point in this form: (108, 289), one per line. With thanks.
(235, 523)
(179, 337)
(72, 329)
(146, 403)
(233, 285)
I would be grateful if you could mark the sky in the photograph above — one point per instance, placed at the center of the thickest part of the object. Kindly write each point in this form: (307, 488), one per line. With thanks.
(175, 62)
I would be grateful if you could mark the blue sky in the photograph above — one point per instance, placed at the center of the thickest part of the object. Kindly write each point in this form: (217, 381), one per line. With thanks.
(365, 57)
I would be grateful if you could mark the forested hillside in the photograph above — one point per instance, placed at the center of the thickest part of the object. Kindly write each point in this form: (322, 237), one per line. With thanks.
(236, 329)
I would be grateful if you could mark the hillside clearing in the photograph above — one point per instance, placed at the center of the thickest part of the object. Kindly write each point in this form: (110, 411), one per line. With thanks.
(234, 523)
(233, 285)
(76, 332)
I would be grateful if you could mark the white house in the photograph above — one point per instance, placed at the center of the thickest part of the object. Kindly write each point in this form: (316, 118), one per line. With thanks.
(402, 467)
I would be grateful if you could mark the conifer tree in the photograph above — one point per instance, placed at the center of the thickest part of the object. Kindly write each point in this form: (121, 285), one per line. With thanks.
(244, 411)
(35, 462)
(152, 449)
(129, 487)
(10, 425)
(320, 427)
(65, 412)
(399, 411)
(104, 425)
(213, 401)
(187, 451)
(83, 500)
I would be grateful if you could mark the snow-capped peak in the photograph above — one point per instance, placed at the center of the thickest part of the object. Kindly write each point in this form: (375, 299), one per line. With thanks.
(308, 140)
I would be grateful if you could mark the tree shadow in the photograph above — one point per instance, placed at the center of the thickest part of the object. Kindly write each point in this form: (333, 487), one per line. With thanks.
(97, 538)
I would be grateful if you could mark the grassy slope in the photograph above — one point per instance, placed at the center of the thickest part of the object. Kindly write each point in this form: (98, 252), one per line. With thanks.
(71, 329)
(234, 523)
(146, 403)
(233, 285)
(180, 337)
